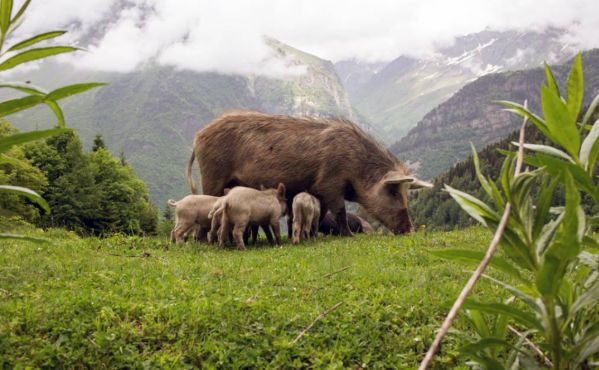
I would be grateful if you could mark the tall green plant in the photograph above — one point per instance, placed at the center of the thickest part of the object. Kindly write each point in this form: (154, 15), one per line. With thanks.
(550, 254)
(13, 55)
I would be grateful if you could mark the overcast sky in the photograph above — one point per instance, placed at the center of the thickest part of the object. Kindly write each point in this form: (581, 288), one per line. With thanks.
(226, 35)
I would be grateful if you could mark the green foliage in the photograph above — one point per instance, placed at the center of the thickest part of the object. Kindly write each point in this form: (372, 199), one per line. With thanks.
(91, 193)
(557, 298)
(133, 302)
(17, 54)
(98, 143)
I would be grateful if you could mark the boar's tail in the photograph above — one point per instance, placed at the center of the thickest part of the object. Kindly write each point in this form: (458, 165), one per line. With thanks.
(189, 174)
(172, 203)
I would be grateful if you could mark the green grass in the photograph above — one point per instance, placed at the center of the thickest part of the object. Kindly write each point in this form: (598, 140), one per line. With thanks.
(83, 303)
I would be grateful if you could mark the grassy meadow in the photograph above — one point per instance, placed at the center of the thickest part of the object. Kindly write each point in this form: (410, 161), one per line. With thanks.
(131, 302)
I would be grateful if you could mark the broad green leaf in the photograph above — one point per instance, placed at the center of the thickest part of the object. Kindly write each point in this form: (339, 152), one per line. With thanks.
(575, 88)
(22, 237)
(590, 148)
(551, 80)
(589, 112)
(35, 39)
(482, 345)
(69, 90)
(466, 255)
(24, 87)
(57, 112)
(34, 54)
(566, 245)
(517, 293)
(7, 142)
(19, 104)
(543, 206)
(520, 316)
(5, 13)
(525, 113)
(499, 201)
(559, 123)
(28, 193)
(480, 325)
(473, 206)
(548, 231)
(481, 179)
(546, 149)
(505, 177)
(557, 168)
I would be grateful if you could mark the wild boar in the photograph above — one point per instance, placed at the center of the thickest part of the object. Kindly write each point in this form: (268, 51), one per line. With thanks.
(332, 159)
(244, 207)
(191, 212)
(357, 224)
(306, 216)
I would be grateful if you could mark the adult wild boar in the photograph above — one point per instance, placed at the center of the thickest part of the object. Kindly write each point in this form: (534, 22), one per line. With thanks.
(330, 158)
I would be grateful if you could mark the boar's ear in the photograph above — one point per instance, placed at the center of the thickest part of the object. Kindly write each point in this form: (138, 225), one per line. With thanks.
(226, 191)
(394, 178)
(419, 184)
(281, 190)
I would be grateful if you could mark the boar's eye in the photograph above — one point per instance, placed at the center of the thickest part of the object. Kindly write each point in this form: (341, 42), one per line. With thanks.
(393, 190)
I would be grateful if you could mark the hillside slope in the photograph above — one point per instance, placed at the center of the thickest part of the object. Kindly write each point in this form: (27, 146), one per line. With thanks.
(152, 114)
(442, 137)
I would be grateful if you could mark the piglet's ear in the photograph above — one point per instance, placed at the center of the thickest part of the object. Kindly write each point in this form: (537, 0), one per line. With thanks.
(281, 190)
(226, 191)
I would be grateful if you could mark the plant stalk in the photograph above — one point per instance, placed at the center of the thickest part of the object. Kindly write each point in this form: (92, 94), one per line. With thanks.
(428, 358)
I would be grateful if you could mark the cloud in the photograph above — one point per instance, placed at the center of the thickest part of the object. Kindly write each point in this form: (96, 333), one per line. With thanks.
(227, 36)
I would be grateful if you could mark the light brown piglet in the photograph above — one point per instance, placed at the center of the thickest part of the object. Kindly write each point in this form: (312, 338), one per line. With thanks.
(190, 212)
(306, 215)
(244, 207)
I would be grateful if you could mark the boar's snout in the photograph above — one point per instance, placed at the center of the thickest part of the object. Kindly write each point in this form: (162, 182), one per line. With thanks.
(404, 226)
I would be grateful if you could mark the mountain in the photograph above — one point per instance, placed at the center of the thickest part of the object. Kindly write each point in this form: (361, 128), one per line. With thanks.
(442, 137)
(152, 114)
(396, 97)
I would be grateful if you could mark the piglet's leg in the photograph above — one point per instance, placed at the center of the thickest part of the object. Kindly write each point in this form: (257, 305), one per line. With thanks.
(238, 231)
(268, 234)
(276, 227)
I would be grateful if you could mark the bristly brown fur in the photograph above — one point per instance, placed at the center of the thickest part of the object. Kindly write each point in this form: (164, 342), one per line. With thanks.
(330, 158)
